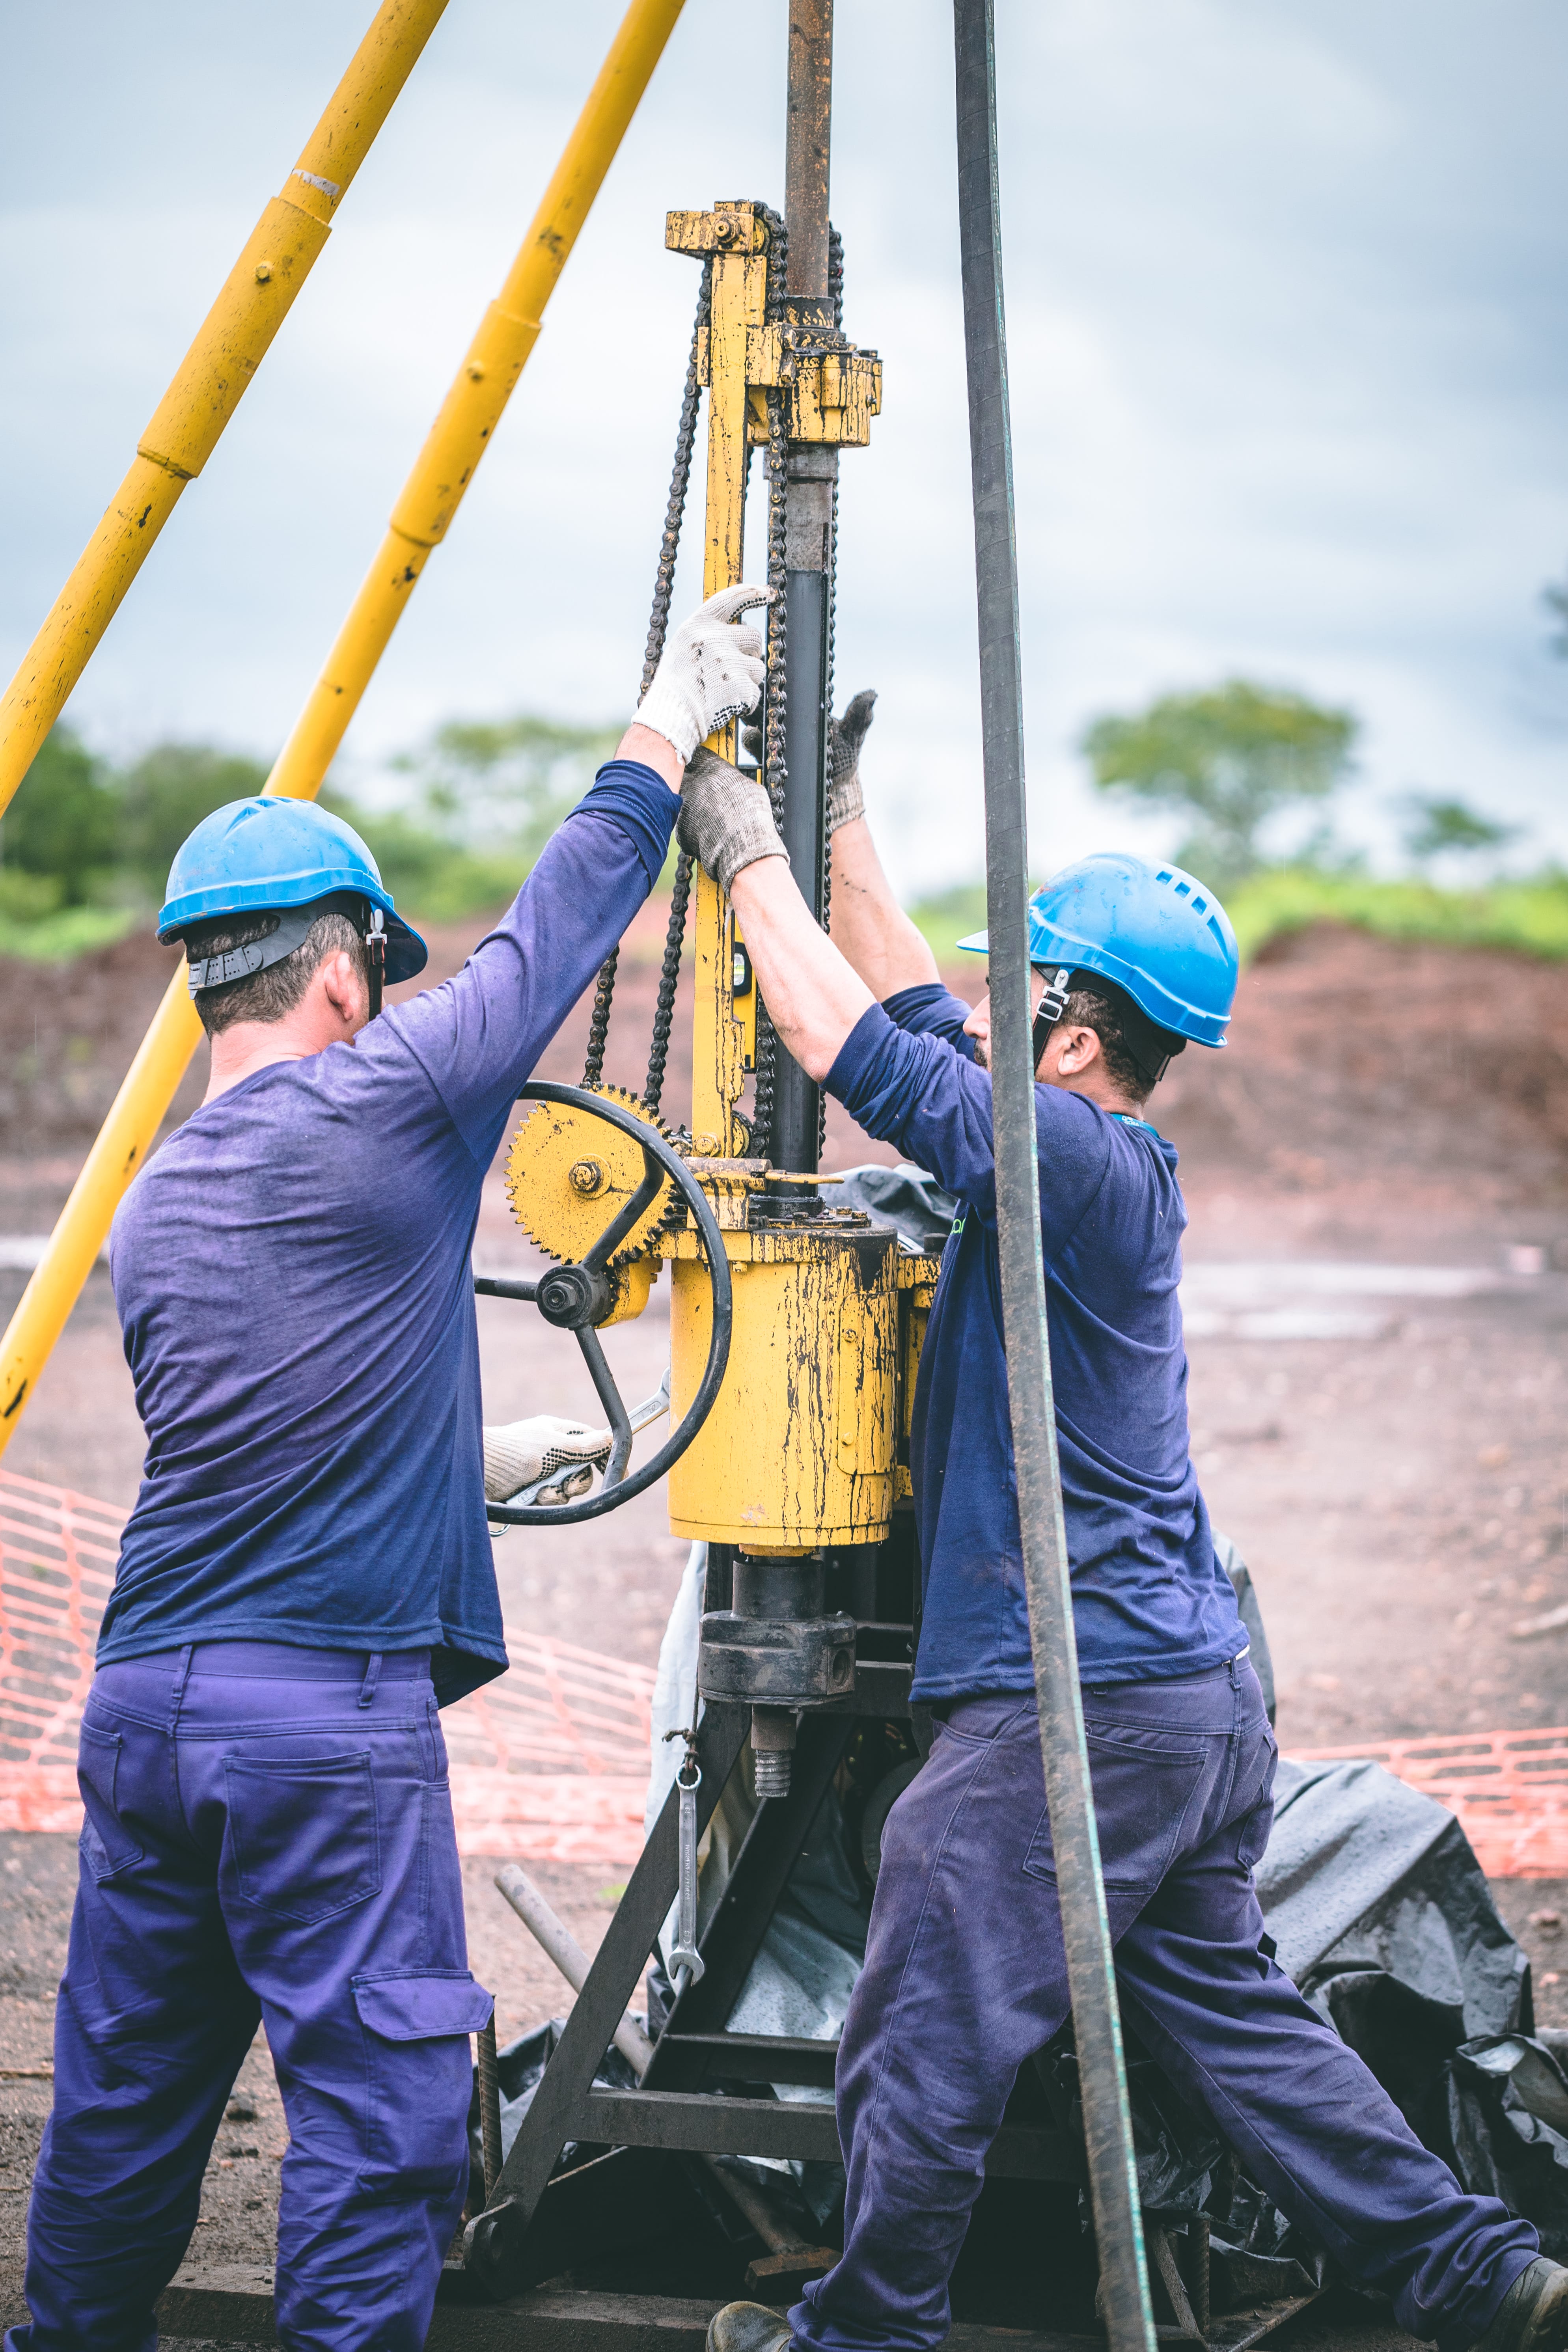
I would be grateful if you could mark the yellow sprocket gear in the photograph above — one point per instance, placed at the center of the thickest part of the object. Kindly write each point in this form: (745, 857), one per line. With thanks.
(568, 1174)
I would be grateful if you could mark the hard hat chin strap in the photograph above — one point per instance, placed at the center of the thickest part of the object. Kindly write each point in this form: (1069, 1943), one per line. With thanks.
(1051, 1007)
(375, 948)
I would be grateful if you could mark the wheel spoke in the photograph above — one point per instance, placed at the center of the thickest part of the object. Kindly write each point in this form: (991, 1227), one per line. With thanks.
(615, 1232)
(615, 1413)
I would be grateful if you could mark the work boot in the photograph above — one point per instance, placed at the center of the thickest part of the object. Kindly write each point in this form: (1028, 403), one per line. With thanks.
(1531, 2317)
(752, 2327)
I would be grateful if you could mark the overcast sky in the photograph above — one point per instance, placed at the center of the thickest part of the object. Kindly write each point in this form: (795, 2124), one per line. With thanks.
(1285, 290)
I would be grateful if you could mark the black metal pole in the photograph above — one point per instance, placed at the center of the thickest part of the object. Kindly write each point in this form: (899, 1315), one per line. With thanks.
(1086, 1932)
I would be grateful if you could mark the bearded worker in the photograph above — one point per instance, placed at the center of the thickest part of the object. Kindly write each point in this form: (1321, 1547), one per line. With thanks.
(964, 1977)
(306, 1577)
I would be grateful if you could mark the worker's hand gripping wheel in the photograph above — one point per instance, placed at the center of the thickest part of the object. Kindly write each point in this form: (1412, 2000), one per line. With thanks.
(577, 1296)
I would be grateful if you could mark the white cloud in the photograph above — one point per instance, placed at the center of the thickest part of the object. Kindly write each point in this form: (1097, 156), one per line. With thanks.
(1286, 346)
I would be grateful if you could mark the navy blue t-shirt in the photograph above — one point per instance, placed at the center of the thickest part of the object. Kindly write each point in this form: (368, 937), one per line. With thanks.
(293, 1280)
(1150, 1602)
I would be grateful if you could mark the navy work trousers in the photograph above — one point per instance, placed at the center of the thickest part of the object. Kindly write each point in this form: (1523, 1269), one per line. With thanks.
(269, 1837)
(965, 1978)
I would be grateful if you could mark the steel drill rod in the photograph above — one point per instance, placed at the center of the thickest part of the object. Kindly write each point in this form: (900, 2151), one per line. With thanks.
(808, 512)
(1086, 1932)
(557, 1941)
(808, 141)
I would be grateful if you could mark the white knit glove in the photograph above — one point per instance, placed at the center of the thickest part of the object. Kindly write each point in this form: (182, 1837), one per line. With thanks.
(710, 671)
(520, 1453)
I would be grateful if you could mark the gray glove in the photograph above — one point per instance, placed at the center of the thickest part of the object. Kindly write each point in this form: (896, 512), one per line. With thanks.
(726, 819)
(845, 801)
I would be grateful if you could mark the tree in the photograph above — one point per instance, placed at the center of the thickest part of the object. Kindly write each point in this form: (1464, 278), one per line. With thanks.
(165, 796)
(1443, 828)
(61, 829)
(1227, 760)
(504, 784)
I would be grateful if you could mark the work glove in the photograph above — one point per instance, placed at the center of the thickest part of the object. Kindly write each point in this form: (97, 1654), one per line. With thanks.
(710, 671)
(726, 819)
(845, 801)
(518, 1453)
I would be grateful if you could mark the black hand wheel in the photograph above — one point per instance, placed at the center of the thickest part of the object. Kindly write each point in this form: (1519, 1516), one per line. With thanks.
(573, 1298)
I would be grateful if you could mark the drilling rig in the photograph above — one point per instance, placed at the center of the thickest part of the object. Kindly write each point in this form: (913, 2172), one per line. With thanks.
(797, 1327)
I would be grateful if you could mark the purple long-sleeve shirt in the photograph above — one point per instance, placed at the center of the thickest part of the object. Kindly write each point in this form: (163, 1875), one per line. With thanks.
(293, 1280)
(1150, 1600)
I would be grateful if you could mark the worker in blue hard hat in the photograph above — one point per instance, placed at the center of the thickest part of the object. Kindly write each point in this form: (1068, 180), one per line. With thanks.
(307, 1576)
(965, 1975)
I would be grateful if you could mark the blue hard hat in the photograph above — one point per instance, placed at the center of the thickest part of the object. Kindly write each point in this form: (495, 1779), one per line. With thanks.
(1160, 934)
(271, 852)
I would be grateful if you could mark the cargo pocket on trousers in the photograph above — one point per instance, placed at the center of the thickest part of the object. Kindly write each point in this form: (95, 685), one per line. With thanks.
(416, 2029)
(106, 1846)
(302, 1830)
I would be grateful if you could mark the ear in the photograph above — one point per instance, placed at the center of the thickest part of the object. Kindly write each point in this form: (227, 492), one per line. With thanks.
(346, 991)
(1078, 1049)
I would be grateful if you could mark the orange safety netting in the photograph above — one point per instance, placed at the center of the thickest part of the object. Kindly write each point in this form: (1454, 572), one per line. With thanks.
(549, 1764)
(1509, 1789)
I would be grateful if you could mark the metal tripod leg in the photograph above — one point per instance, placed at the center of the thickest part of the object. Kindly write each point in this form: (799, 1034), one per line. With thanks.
(597, 2011)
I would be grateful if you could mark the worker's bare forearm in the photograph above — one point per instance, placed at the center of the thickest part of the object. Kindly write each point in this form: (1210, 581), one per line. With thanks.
(813, 997)
(642, 743)
(870, 927)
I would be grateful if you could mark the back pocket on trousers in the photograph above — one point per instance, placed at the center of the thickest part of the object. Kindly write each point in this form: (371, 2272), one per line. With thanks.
(302, 1832)
(107, 1845)
(1144, 1782)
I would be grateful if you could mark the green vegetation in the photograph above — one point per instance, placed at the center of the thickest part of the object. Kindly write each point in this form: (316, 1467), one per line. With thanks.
(85, 847)
(1532, 916)
(951, 917)
(1226, 761)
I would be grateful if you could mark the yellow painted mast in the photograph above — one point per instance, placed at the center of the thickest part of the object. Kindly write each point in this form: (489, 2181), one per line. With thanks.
(421, 517)
(212, 378)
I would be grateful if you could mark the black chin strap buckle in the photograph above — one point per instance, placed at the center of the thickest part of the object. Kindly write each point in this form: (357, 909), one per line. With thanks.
(1052, 1005)
(375, 948)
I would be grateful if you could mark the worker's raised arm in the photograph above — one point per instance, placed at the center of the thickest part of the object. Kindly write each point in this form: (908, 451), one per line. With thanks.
(866, 922)
(813, 997)
(479, 1035)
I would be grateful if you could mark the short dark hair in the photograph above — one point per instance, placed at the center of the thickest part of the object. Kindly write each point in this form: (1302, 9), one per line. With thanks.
(274, 990)
(1135, 1048)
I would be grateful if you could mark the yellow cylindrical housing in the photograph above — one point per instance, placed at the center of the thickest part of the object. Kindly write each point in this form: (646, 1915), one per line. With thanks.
(799, 1449)
(229, 347)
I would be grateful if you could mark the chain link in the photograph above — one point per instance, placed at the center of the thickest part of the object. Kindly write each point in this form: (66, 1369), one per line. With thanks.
(668, 974)
(657, 628)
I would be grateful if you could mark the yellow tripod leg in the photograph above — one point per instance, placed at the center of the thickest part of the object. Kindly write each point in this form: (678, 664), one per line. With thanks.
(232, 342)
(430, 497)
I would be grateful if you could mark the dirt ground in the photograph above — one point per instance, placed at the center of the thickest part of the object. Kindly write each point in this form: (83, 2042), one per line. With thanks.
(1386, 1445)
